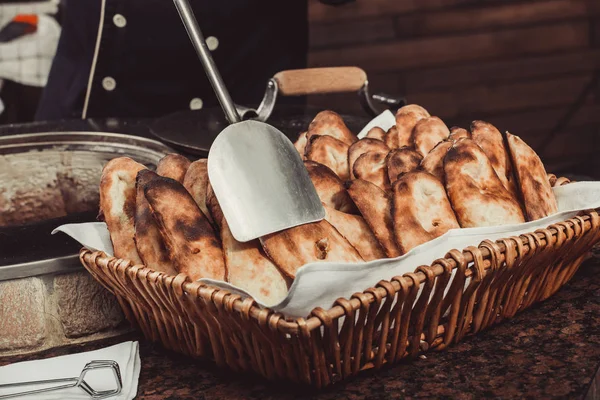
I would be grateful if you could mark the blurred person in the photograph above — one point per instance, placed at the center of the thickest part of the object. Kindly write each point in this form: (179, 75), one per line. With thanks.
(133, 58)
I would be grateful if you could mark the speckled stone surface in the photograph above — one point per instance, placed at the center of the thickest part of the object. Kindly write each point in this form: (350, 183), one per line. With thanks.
(549, 351)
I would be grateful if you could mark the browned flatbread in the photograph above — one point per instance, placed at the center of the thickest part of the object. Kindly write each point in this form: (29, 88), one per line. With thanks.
(402, 134)
(474, 189)
(434, 161)
(401, 161)
(117, 205)
(536, 190)
(420, 210)
(330, 188)
(414, 109)
(372, 167)
(428, 132)
(300, 143)
(148, 240)
(361, 147)
(292, 248)
(196, 182)
(331, 152)
(357, 232)
(457, 133)
(190, 239)
(492, 143)
(329, 123)
(376, 133)
(246, 264)
(173, 166)
(375, 206)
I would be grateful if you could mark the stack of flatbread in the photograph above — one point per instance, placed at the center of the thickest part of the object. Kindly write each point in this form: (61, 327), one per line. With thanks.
(384, 195)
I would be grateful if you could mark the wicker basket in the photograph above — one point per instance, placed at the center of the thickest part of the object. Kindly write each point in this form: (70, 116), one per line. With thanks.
(383, 324)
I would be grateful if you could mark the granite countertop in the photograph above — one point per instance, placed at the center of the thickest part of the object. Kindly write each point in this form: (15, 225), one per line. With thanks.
(549, 351)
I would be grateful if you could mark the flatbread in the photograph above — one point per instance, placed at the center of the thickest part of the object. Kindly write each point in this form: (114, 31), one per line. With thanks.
(420, 209)
(246, 264)
(457, 133)
(190, 239)
(372, 167)
(292, 248)
(196, 182)
(329, 123)
(300, 143)
(414, 109)
(428, 132)
(330, 188)
(492, 143)
(375, 206)
(434, 161)
(474, 189)
(376, 133)
(117, 205)
(537, 194)
(148, 240)
(401, 161)
(173, 166)
(355, 229)
(361, 147)
(331, 152)
(401, 134)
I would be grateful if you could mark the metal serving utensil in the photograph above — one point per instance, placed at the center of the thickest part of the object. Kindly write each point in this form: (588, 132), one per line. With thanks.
(255, 171)
(67, 383)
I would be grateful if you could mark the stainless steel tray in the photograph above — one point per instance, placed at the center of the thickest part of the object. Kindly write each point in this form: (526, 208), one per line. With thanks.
(40, 167)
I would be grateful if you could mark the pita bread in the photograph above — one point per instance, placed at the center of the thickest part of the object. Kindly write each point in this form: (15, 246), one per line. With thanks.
(300, 144)
(117, 205)
(492, 143)
(414, 109)
(188, 236)
(361, 147)
(372, 167)
(246, 264)
(357, 232)
(401, 161)
(428, 132)
(196, 183)
(376, 133)
(331, 152)
(375, 206)
(292, 248)
(148, 240)
(329, 123)
(536, 190)
(457, 133)
(173, 166)
(420, 210)
(330, 188)
(434, 161)
(474, 189)
(401, 135)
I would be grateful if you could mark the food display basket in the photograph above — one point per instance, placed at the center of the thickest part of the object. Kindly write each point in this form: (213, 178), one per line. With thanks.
(427, 310)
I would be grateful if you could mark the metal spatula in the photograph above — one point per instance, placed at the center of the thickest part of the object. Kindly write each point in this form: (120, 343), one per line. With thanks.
(255, 171)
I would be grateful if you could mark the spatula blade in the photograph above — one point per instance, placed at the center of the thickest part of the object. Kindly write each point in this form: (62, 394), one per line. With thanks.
(260, 181)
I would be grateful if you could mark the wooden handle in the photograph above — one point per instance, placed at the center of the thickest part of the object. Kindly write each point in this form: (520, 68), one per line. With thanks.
(300, 82)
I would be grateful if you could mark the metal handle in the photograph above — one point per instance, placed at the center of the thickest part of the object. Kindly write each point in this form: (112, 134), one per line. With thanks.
(191, 26)
(73, 382)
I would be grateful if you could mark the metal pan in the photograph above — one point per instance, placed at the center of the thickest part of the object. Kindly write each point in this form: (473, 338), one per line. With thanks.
(194, 131)
(43, 169)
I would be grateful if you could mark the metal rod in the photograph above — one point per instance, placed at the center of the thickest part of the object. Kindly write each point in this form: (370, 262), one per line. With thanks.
(191, 25)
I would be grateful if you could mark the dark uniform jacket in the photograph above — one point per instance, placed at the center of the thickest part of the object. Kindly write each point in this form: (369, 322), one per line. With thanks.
(133, 58)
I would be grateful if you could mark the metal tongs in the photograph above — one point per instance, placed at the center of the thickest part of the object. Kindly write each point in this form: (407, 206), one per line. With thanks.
(67, 383)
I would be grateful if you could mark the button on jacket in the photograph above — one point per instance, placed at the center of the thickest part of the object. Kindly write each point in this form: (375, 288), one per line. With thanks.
(133, 58)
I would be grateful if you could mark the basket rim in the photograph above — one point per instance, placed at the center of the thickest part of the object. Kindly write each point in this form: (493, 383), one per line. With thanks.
(558, 234)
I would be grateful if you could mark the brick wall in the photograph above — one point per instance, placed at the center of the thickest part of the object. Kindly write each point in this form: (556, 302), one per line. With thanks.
(518, 64)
